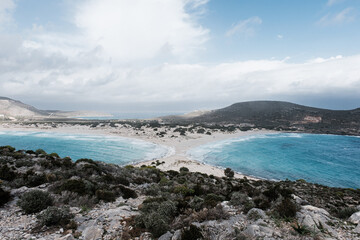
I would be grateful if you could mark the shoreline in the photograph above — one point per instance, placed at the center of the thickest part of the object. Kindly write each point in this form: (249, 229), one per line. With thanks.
(178, 145)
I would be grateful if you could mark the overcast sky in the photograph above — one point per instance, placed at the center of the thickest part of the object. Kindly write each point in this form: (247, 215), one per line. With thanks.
(179, 55)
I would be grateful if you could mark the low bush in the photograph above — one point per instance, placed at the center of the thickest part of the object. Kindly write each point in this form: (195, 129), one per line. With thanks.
(229, 173)
(55, 216)
(34, 201)
(191, 233)
(126, 192)
(74, 185)
(105, 195)
(287, 208)
(6, 173)
(211, 200)
(345, 213)
(4, 197)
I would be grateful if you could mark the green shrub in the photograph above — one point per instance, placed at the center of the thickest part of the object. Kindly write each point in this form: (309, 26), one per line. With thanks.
(287, 208)
(346, 212)
(105, 195)
(6, 173)
(191, 233)
(4, 197)
(34, 201)
(184, 190)
(229, 173)
(40, 152)
(35, 180)
(55, 216)
(238, 198)
(184, 169)
(86, 160)
(156, 223)
(74, 185)
(54, 155)
(127, 192)
(7, 148)
(211, 200)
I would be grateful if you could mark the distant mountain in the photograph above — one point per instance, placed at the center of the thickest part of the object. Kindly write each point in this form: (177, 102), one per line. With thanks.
(284, 115)
(15, 110)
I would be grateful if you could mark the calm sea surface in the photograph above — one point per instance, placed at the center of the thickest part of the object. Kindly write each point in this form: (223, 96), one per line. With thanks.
(109, 149)
(326, 159)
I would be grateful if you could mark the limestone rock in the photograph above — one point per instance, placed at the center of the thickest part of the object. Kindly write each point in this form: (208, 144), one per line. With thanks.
(92, 233)
(166, 236)
(355, 218)
(67, 237)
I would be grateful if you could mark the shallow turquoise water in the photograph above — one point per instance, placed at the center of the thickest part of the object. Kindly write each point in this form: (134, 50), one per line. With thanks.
(110, 149)
(325, 159)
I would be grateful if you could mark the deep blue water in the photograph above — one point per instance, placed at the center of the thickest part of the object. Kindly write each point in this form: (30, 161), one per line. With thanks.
(110, 149)
(325, 159)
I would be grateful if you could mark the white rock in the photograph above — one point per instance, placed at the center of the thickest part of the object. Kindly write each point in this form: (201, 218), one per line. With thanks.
(67, 237)
(355, 218)
(93, 233)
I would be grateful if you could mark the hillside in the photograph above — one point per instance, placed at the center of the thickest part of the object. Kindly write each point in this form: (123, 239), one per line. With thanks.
(43, 196)
(11, 109)
(16, 109)
(284, 115)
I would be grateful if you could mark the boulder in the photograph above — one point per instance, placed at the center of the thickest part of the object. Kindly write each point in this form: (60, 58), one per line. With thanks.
(315, 219)
(255, 231)
(355, 218)
(67, 237)
(166, 236)
(177, 235)
(92, 233)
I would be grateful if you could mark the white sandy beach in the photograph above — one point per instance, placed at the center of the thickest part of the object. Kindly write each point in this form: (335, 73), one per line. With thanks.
(179, 145)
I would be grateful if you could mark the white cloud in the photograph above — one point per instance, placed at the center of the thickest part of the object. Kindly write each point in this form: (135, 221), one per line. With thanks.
(245, 27)
(333, 2)
(6, 8)
(130, 30)
(92, 67)
(279, 36)
(345, 16)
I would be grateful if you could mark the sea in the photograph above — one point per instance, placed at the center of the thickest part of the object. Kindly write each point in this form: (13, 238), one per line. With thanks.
(110, 149)
(329, 160)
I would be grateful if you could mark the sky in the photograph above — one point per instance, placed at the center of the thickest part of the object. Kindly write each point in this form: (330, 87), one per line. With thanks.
(179, 55)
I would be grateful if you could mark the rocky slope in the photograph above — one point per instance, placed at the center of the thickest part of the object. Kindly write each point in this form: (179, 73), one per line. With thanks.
(43, 196)
(15, 110)
(280, 115)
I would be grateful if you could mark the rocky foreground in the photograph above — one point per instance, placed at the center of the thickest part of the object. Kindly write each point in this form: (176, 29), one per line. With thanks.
(43, 196)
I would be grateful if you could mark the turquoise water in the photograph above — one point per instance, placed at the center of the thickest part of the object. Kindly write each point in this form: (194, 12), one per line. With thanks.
(110, 149)
(325, 159)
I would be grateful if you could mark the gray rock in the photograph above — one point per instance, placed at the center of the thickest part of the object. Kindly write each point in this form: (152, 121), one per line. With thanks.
(258, 231)
(177, 235)
(85, 225)
(166, 236)
(93, 233)
(315, 219)
(357, 229)
(67, 237)
(355, 218)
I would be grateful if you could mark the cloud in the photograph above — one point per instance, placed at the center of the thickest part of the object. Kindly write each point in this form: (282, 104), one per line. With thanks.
(333, 2)
(244, 27)
(131, 30)
(279, 36)
(6, 8)
(104, 62)
(345, 16)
